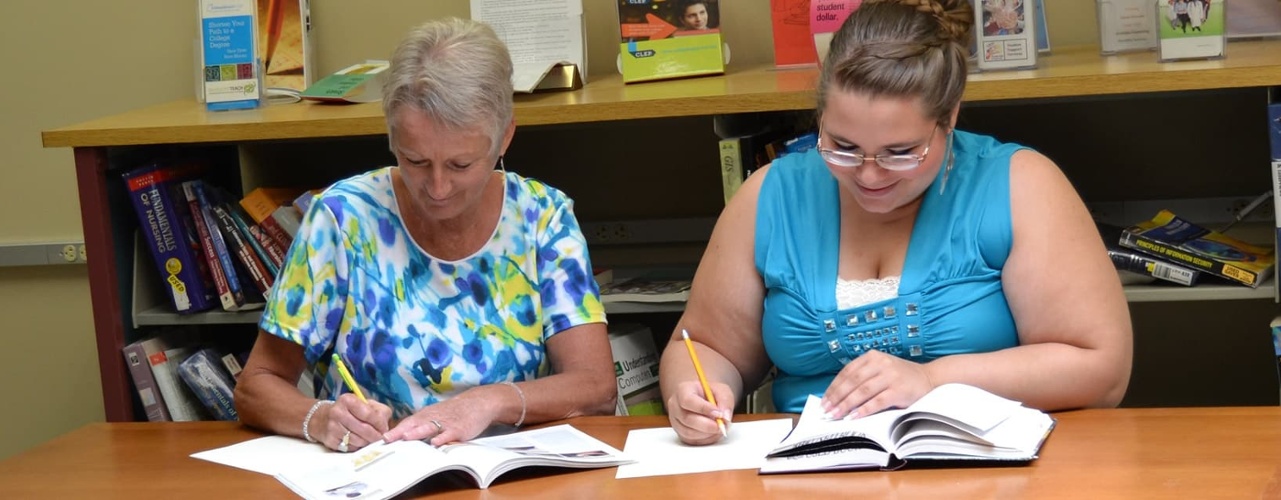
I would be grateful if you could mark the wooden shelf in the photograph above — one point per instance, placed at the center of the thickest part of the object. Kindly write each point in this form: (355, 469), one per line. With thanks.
(1157, 293)
(164, 315)
(1068, 72)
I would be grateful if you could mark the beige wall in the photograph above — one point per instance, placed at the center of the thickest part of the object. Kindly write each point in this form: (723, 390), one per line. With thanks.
(67, 62)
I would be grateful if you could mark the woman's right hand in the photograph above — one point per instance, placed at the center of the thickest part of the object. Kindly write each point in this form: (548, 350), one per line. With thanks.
(693, 418)
(366, 421)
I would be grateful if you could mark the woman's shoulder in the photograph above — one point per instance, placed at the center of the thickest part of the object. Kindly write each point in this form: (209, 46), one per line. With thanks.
(363, 195)
(529, 192)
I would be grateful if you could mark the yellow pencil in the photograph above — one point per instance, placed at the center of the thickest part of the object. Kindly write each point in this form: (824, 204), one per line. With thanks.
(346, 377)
(702, 379)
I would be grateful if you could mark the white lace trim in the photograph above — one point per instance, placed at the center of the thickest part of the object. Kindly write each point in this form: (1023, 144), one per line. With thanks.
(855, 293)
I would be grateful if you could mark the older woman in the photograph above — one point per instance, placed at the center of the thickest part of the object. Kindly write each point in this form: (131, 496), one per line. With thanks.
(459, 294)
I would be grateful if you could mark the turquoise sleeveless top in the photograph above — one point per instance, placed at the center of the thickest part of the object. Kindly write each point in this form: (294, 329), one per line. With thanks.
(950, 298)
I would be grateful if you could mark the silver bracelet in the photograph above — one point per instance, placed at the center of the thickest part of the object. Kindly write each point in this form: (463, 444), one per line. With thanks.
(306, 421)
(523, 407)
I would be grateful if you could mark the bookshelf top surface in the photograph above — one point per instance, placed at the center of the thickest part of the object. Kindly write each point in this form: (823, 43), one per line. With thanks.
(1068, 72)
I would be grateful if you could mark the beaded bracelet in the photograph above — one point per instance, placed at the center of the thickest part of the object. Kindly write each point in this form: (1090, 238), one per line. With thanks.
(306, 421)
(520, 393)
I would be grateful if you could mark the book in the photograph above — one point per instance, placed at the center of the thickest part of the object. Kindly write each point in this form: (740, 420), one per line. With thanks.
(826, 17)
(204, 229)
(233, 298)
(1126, 26)
(228, 54)
(359, 82)
(1274, 140)
(636, 368)
(203, 373)
(1134, 261)
(383, 470)
(284, 46)
(165, 351)
(1190, 29)
(154, 192)
(793, 42)
(1005, 31)
(954, 424)
(645, 290)
(153, 403)
(662, 40)
(241, 250)
(1177, 240)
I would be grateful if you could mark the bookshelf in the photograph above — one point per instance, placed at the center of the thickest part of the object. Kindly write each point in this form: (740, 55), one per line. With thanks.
(104, 145)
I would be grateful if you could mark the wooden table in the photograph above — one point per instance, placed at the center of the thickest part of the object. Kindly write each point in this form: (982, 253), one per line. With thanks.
(1125, 453)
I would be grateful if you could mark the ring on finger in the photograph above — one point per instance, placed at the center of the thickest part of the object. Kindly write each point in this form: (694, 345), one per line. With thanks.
(346, 439)
(439, 428)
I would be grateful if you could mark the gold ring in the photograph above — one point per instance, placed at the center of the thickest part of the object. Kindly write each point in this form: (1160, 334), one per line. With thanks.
(346, 439)
(439, 428)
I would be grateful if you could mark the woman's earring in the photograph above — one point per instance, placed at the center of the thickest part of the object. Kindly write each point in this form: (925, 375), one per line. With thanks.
(951, 160)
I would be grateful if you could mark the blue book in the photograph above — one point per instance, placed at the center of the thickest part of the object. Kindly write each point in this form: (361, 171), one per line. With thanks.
(169, 235)
(205, 376)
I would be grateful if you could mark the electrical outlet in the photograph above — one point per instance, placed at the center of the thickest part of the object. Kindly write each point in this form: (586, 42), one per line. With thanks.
(83, 257)
(68, 253)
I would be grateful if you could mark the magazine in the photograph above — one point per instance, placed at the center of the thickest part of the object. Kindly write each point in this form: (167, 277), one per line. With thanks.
(383, 470)
(953, 423)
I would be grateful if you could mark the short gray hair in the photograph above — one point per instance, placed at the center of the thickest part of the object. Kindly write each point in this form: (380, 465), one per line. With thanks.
(456, 71)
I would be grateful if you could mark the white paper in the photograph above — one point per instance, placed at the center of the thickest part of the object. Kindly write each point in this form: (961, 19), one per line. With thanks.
(538, 35)
(267, 455)
(658, 452)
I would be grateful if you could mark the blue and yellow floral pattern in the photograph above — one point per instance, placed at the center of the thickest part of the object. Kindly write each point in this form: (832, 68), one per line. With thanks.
(416, 329)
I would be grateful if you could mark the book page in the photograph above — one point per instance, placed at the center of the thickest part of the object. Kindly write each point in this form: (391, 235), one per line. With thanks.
(266, 455)
(378, 471)
(557, 446)
(659, 452)
(814, 427)
(967, 405)
(538, 35)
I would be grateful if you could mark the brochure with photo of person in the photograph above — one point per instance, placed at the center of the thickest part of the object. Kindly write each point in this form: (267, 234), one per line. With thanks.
(1190, 29)
(1006, 33)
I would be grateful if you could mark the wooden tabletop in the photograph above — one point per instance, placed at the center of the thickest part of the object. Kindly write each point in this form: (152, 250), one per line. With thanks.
(1069, 72)
(1125, 453)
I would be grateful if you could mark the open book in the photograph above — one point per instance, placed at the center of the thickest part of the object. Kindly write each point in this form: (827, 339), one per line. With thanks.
(381, 470)
(953, 422)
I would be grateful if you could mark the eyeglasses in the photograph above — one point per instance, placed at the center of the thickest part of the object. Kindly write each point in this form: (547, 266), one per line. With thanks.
(888, 162)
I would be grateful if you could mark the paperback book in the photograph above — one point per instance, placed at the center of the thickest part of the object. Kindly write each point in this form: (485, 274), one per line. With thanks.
(1180, 241)
(382, 471)
(1140, 263)
(954, 424)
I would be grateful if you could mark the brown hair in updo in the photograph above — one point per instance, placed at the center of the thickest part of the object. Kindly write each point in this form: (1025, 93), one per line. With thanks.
(902, 48)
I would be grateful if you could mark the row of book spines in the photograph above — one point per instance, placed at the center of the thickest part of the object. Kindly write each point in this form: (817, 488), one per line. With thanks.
(183, 383)
(740, 156)
(222, 248)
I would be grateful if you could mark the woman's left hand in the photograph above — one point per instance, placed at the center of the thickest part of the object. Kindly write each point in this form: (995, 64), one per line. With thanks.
(873, 382)
(456, 419)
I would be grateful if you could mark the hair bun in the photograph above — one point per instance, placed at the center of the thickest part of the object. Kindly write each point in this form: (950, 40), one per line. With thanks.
(955, 17)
